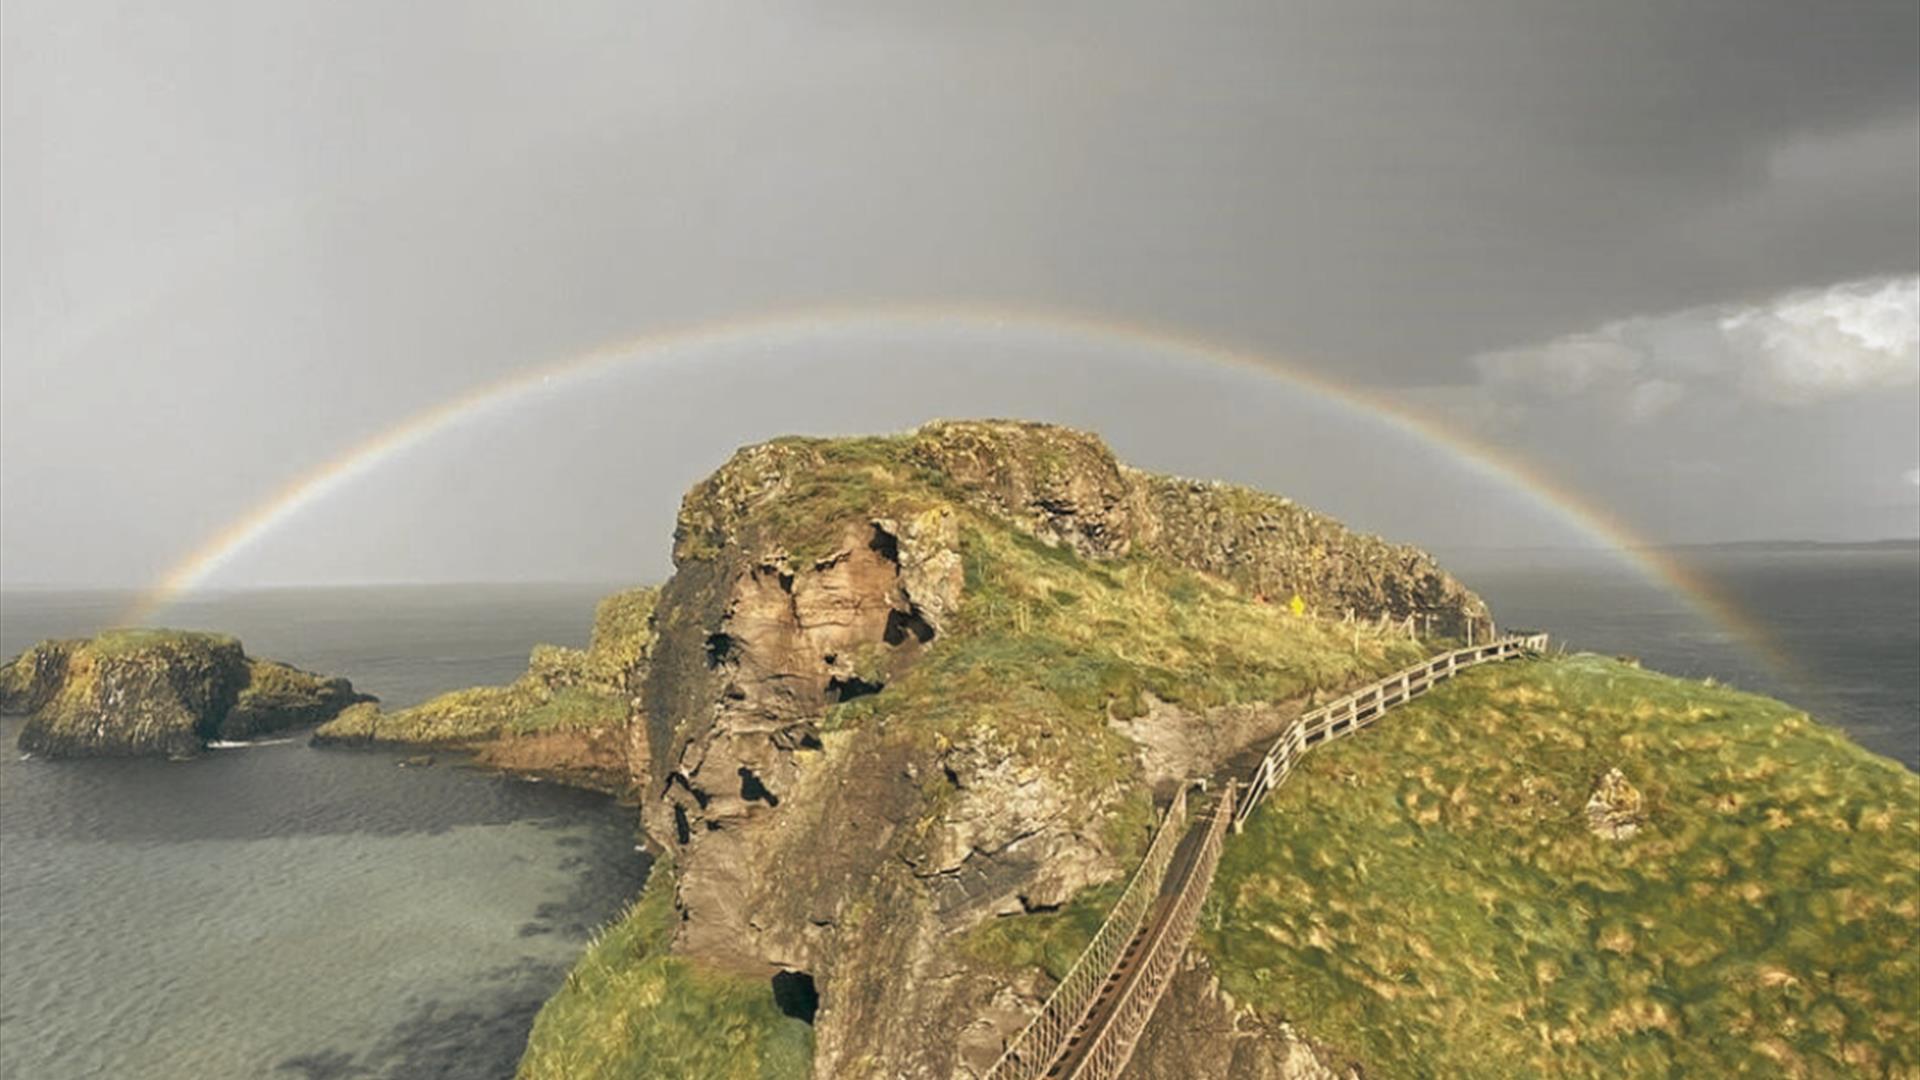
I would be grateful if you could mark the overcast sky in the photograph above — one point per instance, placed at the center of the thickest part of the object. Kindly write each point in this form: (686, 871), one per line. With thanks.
(1667, 251)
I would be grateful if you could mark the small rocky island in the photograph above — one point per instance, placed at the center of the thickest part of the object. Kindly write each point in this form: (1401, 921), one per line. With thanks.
(158, 692)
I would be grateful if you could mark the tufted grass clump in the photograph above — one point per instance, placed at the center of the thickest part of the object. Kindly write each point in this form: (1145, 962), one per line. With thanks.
(1428, 895)
(630, 1009)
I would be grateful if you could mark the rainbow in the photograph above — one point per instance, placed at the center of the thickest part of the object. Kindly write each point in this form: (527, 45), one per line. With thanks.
(1591, 520)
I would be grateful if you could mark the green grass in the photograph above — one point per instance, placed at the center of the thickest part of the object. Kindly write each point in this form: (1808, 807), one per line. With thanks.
(630, 1010)
(622, 631)
(1427, 895)
(1050, 940)
(123, 642)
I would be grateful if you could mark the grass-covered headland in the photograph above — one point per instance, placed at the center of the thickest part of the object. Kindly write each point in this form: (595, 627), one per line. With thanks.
(1429, 897)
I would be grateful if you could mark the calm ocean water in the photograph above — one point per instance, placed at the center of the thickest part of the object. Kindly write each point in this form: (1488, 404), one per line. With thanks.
(285, 911)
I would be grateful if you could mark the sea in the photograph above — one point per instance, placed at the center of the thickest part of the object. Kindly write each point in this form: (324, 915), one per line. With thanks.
(280, 910)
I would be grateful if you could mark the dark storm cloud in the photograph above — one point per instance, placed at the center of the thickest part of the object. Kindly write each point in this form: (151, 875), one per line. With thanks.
(238, 237)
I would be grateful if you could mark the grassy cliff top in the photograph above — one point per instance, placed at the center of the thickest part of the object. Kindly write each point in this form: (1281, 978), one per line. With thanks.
(126, 641)
(1429, 897)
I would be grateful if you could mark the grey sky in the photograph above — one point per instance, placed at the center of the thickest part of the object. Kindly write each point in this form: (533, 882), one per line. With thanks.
(238, 238)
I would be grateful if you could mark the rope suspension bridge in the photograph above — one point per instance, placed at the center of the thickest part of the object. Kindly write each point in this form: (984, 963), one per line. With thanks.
(1089, 1025)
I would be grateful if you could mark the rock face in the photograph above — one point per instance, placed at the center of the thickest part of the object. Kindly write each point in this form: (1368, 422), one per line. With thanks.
(166, 692)
(1066, 486)
(1616, 808)
(813, 574)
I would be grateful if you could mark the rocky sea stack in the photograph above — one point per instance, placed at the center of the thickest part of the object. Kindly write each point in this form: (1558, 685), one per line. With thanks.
(158, 692)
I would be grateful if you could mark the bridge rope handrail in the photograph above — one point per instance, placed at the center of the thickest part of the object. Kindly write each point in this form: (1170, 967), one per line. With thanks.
(1115, 1042)
(1034, 1049)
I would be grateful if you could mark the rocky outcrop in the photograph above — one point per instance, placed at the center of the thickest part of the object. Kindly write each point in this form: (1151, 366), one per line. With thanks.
(1615, 808)
(1275, 549)
(812, 575)
(164, 692)
(590, 758)
(1176, 742)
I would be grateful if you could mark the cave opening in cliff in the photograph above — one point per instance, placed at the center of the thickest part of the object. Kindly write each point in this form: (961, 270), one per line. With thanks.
(848, 687)
(885, 545)
(902, 624)
(795, 995)
(752, 790)
(719, 649)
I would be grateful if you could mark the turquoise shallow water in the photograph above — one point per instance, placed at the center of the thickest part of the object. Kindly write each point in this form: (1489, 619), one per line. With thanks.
(280, 910)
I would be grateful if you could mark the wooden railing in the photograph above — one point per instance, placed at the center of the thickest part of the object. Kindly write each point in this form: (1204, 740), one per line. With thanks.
(1148, 970)
(1348, 714)
(1034, 1050)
